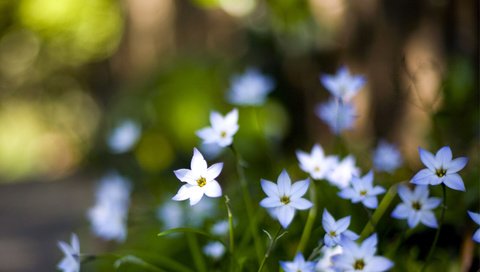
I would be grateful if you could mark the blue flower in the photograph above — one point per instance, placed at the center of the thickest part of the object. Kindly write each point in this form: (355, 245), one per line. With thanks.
(316, 164)
(361, 257)
(215, 250)
(298, 265)
(325, 263)
(476, 218)
(342, 172)
(386, 157)
(284, 197)
(343, 85)
(416, 206)
(339, 116)
(336, 231)
(362, 190)
(440, 169)
(71, 261)
(250, 89)
(124, 137)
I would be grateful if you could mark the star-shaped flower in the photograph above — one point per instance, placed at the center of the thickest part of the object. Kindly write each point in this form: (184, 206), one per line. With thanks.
(250, 89)
(200, 180)
(476, 218)
(298, 265)
(386, 157)
(343, 85)
(222, 130)
(342, 172)
(336, 231)
(338, 115)
(316, 163)
(284, 197)
(71, 261)
(325, 263)
(440, 169)
(416, 206)
(361, 257)
(362, 190)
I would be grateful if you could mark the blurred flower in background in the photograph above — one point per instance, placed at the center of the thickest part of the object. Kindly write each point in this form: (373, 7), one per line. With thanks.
(71, 260)
(386, 157)
(214, 250)
(343, 85)
(250, 88)
(343, 171)
(339, 116)
(124, 136)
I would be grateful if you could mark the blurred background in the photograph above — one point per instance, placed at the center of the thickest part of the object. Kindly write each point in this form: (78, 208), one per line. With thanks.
(72, 71)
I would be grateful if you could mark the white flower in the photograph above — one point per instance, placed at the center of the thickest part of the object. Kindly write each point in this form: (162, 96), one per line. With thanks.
(124, 137)
(336, 231)
(386, 157)
(222, 130)
(171, 214)
(440, 169)
(476, 218)
(416, 206)
(220, 228)
(339, 116)
(214, 250)
(250, 89)
(362, 190)
(71, 261)
(298, 265)
(285, 197)
(316, 163)
(343, 85)
(343, 172)
(200, 180)
(109, 215)
(325, 263)
(361, 258)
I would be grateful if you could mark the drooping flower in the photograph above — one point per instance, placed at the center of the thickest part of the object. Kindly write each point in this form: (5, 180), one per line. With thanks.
(109, 215)
(343, 85)
(440, 169)
(336, 231)
(325, 263)
(361, 257)
(476, 218)
(339, 116)
(362, 190)
(316, 164)
(71, 260)
(342, 172)
(298, 265)
(200, 180)
(250, 89)
(124, 137)
(416, 206)
(215, 250)
(222, 129)
(284, 197)
(386, 157)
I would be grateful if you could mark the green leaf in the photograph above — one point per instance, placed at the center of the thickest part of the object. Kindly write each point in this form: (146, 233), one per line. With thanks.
(190, 230)
(137, 261)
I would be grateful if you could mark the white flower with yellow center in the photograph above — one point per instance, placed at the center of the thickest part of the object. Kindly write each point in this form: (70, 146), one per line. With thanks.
(200, 180)
(222, 130)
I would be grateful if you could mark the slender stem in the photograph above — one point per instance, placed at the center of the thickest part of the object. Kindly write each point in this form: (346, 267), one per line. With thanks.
(230, 226)
(248, 205)
(312, 214)
(315, 251)
(370, 218)
(437, 234)
(196, 252)
(269, 249)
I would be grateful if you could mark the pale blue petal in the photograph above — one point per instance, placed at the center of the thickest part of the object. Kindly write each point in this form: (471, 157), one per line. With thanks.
(420, 192)
(413, 219)
(456, 165)
(271, 202)
(369, 245)
(428, 219)
(284, 183)
(378, 264)
(370, 202)
(285, 215)
(328, 222)
(427, 158)
(342, 224)
(301, 204)
(454, 181)
(368, 178)
(299, 188)
(377, 190)
(475, 217)
(431, 203)
(329, 242)
(404, 193)
(269, 188)
(347, 193)
(401, 211)
(423, 177)
(444, 156)
(476, 236)
(350, 235)
(75, 243)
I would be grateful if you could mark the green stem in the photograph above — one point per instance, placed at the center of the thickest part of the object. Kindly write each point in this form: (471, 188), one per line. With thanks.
(196, 252)
(315, 251)
(437, 234)
(248, 205)
(269, 249)
(370, 217)
(312, 214)
(231, 244)
(377, 215)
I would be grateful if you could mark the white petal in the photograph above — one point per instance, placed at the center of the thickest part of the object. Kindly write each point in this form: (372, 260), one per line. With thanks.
(285, 215)
(413, 219)
(232, 117)
(431, 203)
(75, 243)
(208, 135)
(212, 189)
(271, 202)
(183, 175)
(329, 242)
(428, 219)
(196, 195)
(423, 177)
(198, 163)
(444, 156)
(369, 246)
(317, 152)
(454, 181)
(420, 192)
(269, 188)
(216, 120)
(299, 188)
(401, 211)
(347, 193)
(301, 204)
(183, 193)
(456, 165)
(284, 183)
(213, 171)
(377, 190)
(427, 158)
(67, 250)
(343, 223)
(378, 264)
(404, 193)
(328, 222)
(370, 202)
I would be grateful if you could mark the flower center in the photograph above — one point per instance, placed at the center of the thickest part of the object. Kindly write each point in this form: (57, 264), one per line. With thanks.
(416, 205)
(363, 192)
(201, 181)
(332, 233)
(285, 199)
(223, 134)
(359, 264)
(440, 172)
(316, 169)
